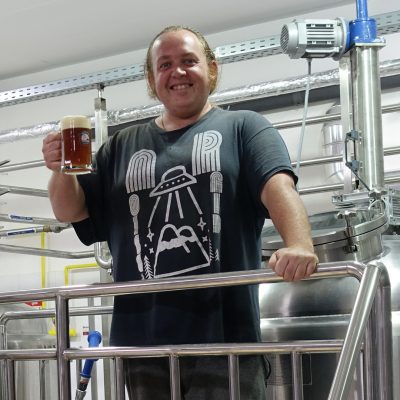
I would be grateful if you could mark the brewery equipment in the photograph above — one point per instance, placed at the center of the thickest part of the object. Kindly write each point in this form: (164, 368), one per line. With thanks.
(363, 228)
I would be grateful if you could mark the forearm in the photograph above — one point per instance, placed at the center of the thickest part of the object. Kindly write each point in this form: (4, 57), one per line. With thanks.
(287, 212)
(67, 198)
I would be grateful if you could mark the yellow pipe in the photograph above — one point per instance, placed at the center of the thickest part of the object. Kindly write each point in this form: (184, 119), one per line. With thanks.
(69, 268)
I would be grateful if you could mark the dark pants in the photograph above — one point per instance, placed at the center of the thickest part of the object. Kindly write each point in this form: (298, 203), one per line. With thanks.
(202, 378)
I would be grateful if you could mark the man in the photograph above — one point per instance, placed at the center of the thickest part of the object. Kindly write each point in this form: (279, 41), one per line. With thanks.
(185, 194)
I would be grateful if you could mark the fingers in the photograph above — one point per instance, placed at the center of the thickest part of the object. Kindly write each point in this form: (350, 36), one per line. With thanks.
(51, 150)
(293, 264)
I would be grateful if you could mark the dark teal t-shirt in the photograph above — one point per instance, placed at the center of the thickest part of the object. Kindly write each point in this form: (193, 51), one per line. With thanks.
(184, 203)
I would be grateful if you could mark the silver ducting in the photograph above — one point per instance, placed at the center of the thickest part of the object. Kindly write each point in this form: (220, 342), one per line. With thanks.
(229, 96)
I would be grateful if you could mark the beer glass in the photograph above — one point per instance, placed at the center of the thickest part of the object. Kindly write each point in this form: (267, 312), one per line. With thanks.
(76, 147)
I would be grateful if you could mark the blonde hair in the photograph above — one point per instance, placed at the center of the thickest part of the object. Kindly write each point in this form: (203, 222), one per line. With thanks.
(210, 57)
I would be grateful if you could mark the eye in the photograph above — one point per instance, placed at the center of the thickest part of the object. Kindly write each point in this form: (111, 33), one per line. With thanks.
(164, 65)
(190, 61)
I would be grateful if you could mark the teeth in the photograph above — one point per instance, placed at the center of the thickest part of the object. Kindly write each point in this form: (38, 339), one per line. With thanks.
(179, 87)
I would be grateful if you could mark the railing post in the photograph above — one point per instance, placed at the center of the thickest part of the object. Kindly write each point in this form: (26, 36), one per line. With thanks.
(11, 380)
(175, 378)
(62, 327)
(381, 339)
(120, 380)
(297, 376)
(234, 384)
(355, 331)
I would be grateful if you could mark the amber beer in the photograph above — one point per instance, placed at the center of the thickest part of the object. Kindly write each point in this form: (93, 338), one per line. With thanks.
(76, 146)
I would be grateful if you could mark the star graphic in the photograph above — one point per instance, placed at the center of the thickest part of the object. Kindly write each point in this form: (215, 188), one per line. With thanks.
(150, 235)
(201, 224)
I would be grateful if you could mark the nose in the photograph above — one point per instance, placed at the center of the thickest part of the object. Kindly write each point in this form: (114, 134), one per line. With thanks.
(179, 71)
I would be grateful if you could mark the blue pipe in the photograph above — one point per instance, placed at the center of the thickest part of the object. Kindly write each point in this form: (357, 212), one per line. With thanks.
(94, 339)
(362, 29)
(362, 9)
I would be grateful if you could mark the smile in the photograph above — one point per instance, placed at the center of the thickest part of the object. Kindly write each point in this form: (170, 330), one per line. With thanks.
(180, 86)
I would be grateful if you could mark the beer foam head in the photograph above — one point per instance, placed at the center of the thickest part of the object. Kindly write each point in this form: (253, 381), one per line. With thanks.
(75, 121)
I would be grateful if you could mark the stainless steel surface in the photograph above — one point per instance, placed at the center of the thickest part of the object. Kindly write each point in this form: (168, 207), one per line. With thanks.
(62, 329)
(10, 380)
(234, 384)
(367, 117)
(36, 251)
(352, 345)
(64, 354)
(120, 379)
(297, 376)
(24, 191)
(175, 377)
(298, 315)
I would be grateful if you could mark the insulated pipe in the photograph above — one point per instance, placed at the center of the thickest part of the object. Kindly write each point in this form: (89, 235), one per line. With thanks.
(229, 96)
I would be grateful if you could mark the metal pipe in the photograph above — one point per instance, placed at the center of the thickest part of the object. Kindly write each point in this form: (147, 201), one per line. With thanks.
(33, 220)
(32, 230)
(367, 115)
(120, 380)
(24, 191)
(234, 383)
(297, 376)
(338, 186)
(300, 346)
(99, 249)
(49, 313)
(381, 333)
(42, 379)
(230, 96)
(45, 252)
(175, 377)
(325, 270)
(62, 332)
(10, 380)
(352, 343)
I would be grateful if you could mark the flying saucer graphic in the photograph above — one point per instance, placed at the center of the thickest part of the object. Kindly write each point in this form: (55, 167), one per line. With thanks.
(174, 179)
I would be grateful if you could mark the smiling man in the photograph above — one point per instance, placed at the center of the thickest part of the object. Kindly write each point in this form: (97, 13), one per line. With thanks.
(185, 194)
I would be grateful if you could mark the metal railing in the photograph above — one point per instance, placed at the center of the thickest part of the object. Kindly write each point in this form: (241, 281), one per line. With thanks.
(373, 294)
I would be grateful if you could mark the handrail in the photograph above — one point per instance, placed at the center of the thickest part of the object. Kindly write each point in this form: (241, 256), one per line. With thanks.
(372, 276)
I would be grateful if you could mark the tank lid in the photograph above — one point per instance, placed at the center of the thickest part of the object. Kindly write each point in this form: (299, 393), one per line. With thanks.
(332, 226)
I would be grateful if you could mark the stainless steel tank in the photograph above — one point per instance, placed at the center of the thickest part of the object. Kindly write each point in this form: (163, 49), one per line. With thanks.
(320, 309)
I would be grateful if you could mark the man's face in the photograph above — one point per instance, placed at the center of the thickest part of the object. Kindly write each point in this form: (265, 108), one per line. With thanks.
(181, 73)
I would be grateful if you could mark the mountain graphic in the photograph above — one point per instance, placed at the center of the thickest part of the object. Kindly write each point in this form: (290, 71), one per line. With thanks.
(179, 251)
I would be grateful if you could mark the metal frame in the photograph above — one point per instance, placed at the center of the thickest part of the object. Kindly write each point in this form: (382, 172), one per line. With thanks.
(373, 294)
(387, 23)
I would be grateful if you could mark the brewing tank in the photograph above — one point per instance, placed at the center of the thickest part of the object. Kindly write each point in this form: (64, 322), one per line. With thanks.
(320, 309)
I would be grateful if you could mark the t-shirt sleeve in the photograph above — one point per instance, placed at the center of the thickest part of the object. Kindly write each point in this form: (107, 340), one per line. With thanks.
(93, 229)
(265, 154)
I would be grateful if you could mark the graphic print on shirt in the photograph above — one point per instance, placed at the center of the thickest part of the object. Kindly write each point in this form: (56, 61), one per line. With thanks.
(170, 233)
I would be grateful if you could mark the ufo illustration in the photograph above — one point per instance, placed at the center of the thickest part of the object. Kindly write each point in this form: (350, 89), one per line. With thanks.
(172, 180)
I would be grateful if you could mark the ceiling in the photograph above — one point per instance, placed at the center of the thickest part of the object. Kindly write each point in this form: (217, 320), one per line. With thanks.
(42, 34)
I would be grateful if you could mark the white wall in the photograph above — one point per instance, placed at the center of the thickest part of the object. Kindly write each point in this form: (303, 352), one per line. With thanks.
(24, 272)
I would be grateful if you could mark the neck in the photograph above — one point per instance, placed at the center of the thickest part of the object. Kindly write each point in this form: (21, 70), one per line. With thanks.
(171, 122)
